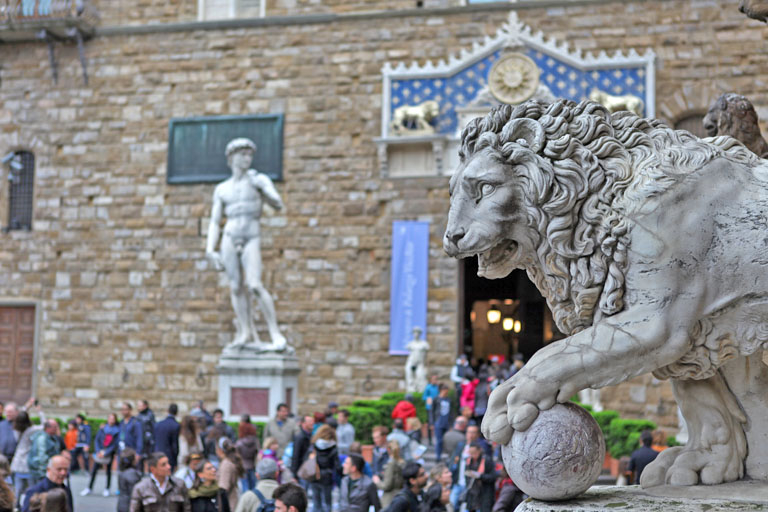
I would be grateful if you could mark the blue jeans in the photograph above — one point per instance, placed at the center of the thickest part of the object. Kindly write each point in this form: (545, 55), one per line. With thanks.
(454, 499)
(439, 433)
(321, 496)
(248, 482)
(21, 482)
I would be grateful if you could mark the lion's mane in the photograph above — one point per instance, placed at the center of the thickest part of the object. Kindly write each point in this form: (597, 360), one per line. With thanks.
(592, 169)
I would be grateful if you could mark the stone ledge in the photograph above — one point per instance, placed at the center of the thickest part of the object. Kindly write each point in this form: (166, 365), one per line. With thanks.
(737, 496)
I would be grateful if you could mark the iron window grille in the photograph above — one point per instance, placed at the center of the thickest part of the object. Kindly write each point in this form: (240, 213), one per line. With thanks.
(21, 180)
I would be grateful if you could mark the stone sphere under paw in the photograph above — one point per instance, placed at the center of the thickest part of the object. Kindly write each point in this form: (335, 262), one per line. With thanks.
(560, 455)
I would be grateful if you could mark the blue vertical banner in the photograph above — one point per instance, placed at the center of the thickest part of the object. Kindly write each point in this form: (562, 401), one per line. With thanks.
(408, 293)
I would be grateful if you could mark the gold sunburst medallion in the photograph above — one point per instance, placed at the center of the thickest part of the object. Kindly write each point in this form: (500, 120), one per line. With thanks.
(513, 78)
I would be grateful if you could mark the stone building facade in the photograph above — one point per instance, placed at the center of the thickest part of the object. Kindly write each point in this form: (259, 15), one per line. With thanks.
(127, 307)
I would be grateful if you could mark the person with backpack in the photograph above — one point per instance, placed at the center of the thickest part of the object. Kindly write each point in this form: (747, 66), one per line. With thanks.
(260, 498)
(327, 458)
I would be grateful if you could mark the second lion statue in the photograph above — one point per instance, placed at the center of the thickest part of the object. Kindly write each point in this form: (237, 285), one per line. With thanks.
(649, 245)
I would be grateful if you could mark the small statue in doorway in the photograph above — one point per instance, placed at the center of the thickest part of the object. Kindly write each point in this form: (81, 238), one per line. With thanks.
(415, 365)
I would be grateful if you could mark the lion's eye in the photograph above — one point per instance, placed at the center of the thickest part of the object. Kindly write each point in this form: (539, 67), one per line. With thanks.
(486, 188)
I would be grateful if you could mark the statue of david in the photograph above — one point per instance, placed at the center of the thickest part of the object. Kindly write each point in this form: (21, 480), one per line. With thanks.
(241, 199)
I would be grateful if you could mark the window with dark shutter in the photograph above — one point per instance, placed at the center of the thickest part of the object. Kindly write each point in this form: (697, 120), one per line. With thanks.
(21, 179)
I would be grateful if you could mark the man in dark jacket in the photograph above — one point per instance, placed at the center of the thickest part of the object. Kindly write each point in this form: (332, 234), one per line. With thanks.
(167, 436)
(410, 498)
(441, 418)
(358, 492)
(131, 434)
(147, 419)
(642, 456)
(55, 476)
(301, 442)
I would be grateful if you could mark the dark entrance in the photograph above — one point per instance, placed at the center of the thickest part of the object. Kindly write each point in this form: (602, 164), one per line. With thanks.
(502, 316)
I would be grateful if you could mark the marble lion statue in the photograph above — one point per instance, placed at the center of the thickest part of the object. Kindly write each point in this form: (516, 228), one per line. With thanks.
(415, 117)
(649, 245)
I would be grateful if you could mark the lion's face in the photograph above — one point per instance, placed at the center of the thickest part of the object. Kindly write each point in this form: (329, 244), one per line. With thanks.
(486, 217)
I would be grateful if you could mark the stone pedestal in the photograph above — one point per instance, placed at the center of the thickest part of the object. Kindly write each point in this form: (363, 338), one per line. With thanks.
(736, 496)
(255, 382)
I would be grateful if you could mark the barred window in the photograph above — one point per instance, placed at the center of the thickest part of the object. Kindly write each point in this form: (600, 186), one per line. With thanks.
(21, 178)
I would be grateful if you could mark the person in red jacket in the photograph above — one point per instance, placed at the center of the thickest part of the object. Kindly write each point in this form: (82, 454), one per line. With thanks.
(404, 409)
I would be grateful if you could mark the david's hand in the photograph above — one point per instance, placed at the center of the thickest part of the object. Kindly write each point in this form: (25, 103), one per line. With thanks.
(215, 258)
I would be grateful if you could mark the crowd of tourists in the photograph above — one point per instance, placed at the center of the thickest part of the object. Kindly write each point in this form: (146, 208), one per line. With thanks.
(200, 463)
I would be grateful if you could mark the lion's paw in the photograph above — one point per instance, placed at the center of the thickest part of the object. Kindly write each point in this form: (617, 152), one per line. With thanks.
(515, 405)
(714, 465)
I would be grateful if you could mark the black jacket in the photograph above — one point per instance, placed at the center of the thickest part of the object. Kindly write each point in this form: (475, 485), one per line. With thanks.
(328, 462)
(481, 495)
(218, 504)
(406, 501)
(44, 485)
(126, 481)
(301, 443)
(147, 419)
(167, 439)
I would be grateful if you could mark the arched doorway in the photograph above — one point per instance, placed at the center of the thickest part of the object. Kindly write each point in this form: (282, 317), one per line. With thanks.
(519, 319)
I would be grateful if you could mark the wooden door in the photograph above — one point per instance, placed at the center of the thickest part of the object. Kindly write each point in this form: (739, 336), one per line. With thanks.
(17, 340)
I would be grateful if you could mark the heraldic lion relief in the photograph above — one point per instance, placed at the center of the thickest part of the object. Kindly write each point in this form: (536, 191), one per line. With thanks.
(651, 248)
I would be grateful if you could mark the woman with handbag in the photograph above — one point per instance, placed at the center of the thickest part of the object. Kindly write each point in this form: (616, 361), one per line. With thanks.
(105, 446)
(327, 458)
(392, 482)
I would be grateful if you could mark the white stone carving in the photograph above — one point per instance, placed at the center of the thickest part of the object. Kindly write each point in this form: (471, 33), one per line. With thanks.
(513, 78)
(241, 199)
(648, 244)
(415, 365)
(560, 456)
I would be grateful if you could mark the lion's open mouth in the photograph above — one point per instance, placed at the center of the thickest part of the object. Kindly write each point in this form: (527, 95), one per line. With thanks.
(503, 255)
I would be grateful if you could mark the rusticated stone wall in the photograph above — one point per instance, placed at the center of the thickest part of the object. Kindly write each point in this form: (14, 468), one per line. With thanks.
(131, 309)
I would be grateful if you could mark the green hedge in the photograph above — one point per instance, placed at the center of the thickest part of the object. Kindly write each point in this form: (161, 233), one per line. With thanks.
(621, 435)
(366, 414)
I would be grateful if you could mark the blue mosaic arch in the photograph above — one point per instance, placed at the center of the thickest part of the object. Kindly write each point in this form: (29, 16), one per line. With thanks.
(567, 74)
